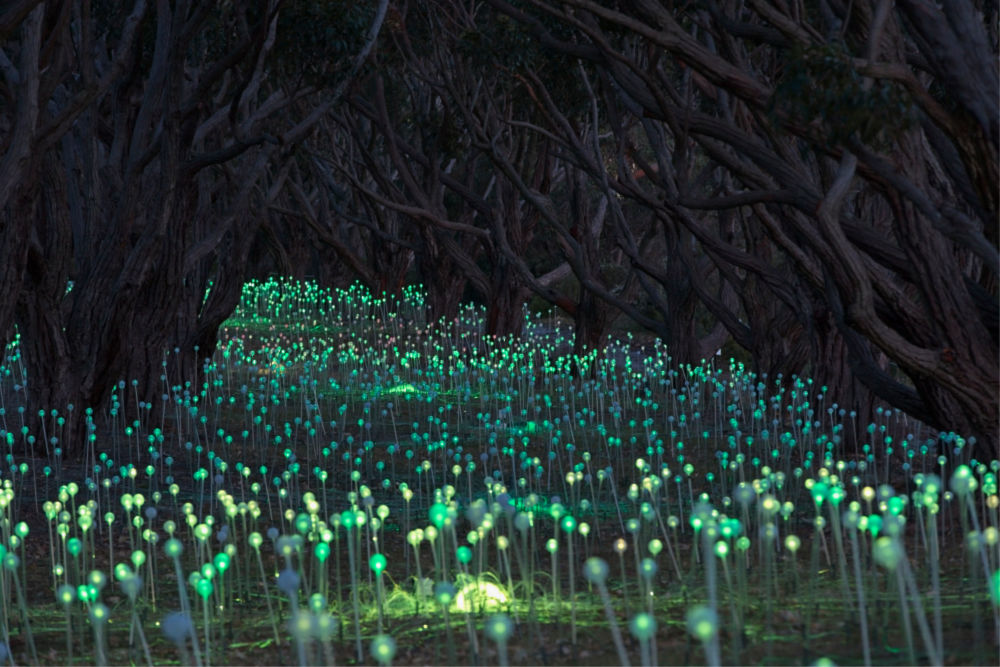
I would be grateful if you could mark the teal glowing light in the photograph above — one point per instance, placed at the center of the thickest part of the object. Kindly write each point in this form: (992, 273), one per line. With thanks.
(702, 623)
(499, 628)
(438, 514)
(463, 554)
(444, 593)
(383, 649)
(963, 482)
(377, 563)
(204, 587)
(595, 570)
(642, 626)
(887, 552)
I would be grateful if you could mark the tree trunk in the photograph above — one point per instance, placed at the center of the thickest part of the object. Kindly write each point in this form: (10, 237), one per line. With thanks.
(591, 322)
(830, 367)
(390, 264)
(505, 306)
(138, 344)
(135, 322)
(14, 250)
(444, 284)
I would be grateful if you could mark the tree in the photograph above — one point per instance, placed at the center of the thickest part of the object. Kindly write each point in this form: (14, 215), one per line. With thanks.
(401, 148)
(34, 60)
(149, 198)
(435, 137)
(856, 143)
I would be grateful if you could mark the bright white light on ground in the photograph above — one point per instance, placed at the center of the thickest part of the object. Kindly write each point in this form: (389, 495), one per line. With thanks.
(481, 595)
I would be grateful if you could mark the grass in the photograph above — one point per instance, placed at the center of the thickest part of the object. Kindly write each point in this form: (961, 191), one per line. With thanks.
(352, 483)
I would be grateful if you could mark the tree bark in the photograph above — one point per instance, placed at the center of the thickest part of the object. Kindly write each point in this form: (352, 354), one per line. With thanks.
(155, 192)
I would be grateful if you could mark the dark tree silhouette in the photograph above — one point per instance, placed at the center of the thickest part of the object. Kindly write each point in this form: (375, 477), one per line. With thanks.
(857, 144)
(152, 148)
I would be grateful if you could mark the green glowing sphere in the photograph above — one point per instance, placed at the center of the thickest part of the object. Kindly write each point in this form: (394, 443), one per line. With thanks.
(317, 603)
(74, 545)
(97, 579)
(255, 539)
(887, 552)
(301, 626)
(86, 593)
(173, 547)
(438, 514)
(204, 587)
(595, 570)
(464, 554)
(642, 626)
(962, 481)
(820, 491)
(65, 594)
(932, 484)
(383, 649)
(702, 622)
(202, 531)
(499, 628)
(99, 613)
(444, 593)
(221, 562)
(730, 528)
(377, 563)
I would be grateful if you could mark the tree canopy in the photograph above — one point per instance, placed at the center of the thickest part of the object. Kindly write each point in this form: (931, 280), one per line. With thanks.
(815, 182)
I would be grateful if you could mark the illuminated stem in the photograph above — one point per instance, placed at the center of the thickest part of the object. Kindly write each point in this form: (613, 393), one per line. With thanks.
(918, 611)
(932, 536)
(616, 633)
(905, 611)
(186, 608)
(572, 592)
(862, 608)
(354, 592)
(208, 631)
(737, 631)
(267, 599)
